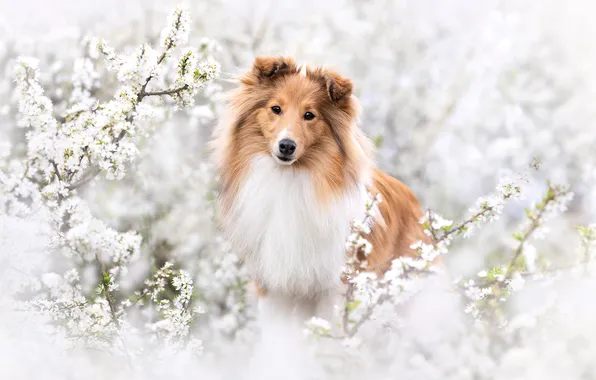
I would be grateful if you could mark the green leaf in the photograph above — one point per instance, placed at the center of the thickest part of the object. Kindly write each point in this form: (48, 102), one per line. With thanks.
(351, 306)
(378, 141)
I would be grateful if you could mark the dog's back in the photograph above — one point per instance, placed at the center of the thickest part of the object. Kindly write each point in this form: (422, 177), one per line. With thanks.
(399, 225)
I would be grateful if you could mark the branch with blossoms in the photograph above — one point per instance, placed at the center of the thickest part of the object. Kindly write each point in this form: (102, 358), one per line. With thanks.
(487, 209)
(365, 293)
(487, 294)
(65, 153)
(98, 134)
(355, 275)
(175, 316)
(555, 201)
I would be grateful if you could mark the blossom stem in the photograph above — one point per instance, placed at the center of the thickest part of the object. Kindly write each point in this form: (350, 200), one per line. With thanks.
(112, 305)
(95, 170)
(56, 171)
(464, 224)
(171, 91)
(536, 221)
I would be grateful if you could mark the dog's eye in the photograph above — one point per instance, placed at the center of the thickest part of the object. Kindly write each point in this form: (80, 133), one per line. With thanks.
(276, 110)
(309, 116)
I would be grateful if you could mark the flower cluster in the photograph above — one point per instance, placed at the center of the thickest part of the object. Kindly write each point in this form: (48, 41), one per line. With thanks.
(66, 151)
(494, 286)
(357, 246)
(176, 315)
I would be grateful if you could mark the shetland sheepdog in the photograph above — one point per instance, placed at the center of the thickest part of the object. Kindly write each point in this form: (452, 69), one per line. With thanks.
(294, 171)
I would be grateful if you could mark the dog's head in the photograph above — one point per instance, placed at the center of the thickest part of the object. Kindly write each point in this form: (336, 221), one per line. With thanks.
(294, 112)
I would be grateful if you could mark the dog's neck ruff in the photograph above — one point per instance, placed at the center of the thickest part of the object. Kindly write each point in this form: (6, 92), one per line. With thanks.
(291, 243)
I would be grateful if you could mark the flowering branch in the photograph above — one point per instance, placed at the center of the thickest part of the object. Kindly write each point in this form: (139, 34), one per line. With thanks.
(93, 137)
(485, 296)
(365, 292)
(173, 91)
(201, 74)
(357, 249)
(555, 200)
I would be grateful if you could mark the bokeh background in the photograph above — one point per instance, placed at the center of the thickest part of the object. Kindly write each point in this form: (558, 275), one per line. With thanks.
(455, 95)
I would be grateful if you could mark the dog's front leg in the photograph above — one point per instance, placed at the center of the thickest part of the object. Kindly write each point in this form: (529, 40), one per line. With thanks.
(281, 351)
(284, 312)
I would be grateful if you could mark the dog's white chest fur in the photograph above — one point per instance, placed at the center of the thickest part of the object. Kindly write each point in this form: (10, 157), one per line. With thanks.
(293, 245)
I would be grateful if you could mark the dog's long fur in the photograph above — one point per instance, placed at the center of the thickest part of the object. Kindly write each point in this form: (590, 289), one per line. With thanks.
(290, 222)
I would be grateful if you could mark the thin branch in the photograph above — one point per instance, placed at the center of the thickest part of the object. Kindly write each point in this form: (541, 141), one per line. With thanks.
(167, 92)
(112, 305)
(536, 221)
(56, 171)
(95, 170)
(142, 93)
(366, 316)
(464, 224)
(86, 178)
(527, 274)
(432, 230)
(72, 173)
(106, 292)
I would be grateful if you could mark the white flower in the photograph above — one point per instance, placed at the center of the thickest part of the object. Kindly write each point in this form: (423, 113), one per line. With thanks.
(516, 282)
(176, 33)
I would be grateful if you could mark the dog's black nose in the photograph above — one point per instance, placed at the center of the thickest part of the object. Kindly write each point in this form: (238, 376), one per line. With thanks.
(287, 147)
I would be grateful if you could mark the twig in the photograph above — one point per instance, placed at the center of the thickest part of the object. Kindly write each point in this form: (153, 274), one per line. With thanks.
(365, 316)
(112, 305)
(142, 93)
(536, 221)
(167, 92)
(95, 170)
(107, 293)
(87, 177)
(465, 223)
(56, 171)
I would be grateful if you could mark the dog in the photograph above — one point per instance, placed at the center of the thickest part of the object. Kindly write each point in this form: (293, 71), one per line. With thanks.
(295, 170)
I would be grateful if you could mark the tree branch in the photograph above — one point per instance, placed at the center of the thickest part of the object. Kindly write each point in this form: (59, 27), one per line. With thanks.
(85, 178)
(95, 170)
(536, 221)
(170, 91)
(112, 305)
(56, 171)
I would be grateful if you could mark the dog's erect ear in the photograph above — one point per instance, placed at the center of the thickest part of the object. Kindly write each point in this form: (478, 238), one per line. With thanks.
(338, 87)
(273, 67)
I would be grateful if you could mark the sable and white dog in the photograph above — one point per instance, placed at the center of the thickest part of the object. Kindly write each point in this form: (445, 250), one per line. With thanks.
(295, 170)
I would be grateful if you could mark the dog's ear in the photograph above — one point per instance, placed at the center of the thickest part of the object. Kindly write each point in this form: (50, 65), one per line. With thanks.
(273, 67)
(338, 87)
